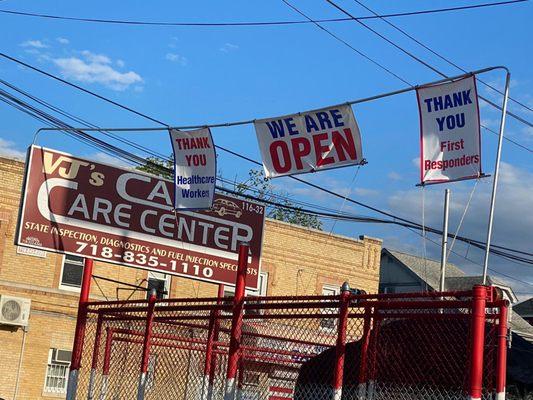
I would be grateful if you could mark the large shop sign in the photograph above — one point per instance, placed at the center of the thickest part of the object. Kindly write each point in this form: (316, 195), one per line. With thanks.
(77, 206)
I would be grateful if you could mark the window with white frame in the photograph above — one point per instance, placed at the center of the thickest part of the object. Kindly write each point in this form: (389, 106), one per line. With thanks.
(57, 371)
(262, 283)
(160, 282)
(71, 272)
(329, 323)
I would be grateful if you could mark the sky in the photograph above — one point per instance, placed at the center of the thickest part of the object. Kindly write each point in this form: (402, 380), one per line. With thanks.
(200, 75)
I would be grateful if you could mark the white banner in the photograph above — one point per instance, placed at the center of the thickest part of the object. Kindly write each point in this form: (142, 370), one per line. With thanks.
(310, 141)
(450, 140)
(194, 168)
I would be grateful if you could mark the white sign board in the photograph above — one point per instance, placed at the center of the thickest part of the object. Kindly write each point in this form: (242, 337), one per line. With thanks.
(450, 137)
(311, 141)
(28, 251)
(194, 169)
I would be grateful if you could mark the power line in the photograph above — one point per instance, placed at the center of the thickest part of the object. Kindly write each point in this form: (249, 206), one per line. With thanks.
(138, 159)
(420, 61)
(141, 161)
(406, 34)
(346, 43)
(226, 124)
(338, 38)
(472, 261)
(252, 23)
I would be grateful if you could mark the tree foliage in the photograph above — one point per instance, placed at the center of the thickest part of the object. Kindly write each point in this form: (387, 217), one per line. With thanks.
(153, 165)
(260, 186)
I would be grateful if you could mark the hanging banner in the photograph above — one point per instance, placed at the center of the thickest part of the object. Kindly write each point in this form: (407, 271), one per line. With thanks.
(78, 206)
(450, 140)
(311, 141)
(194, 169)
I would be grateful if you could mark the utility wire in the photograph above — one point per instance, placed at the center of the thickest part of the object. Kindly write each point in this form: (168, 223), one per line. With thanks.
(141, 161)
(406, 34)
(390, 72)
(135, 158)
(252, 23)
(419, 60)
(345, 43)
(226, 124)
(474, 262)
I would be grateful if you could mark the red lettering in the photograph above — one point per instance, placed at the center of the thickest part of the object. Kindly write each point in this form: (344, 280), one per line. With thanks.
(286, 157)
(344, 144)
(320, 150)
(300, 148)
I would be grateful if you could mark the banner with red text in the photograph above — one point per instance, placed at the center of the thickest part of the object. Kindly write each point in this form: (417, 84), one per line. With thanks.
(195, 167)
(450, 140)
(77, 206)
(311, 141)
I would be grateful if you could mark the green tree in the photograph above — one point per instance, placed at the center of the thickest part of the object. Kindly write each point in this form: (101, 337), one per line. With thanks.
(257, 185)
(158, 166)
(260, 186)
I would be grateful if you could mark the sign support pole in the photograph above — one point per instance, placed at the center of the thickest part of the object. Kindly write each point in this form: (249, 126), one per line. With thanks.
(236, 324)
(79, 334)
(444, 254)
(496, 175)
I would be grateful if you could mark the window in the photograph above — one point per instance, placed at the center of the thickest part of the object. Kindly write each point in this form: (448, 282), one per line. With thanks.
(329, 323)
(229, 291)
(71, 273)
(57, 371)
(160, 282)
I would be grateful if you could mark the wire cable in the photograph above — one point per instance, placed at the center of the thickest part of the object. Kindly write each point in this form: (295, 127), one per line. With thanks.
(135, 158)
(406, 34)
(390, 72)
(252, 23)
(474, 262)
(345, 42)
(420, 61)
(226, 124)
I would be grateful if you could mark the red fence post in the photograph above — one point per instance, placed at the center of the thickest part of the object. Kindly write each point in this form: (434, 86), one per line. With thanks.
(236, 322)
(79, 333)
(363, 363)
(501, 368)
(107, 362)
(340, 348)
(479, 298)
(210, 357)
(96, 353)
(146, 345)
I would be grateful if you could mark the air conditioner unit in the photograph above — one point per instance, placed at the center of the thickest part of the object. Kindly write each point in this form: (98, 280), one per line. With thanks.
(60, 356)
(14, 310)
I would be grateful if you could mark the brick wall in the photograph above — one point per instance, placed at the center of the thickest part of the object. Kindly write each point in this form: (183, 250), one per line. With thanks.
(298, 261)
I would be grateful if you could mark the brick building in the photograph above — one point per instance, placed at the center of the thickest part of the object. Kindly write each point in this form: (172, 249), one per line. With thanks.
(34, 360)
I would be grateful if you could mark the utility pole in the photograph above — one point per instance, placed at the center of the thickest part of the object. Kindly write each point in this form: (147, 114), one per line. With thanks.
(443, 256)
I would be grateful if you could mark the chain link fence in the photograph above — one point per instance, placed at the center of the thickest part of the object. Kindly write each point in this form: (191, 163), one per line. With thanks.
(350, 346)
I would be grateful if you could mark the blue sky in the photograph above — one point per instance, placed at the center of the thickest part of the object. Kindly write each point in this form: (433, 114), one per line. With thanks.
(188, 75)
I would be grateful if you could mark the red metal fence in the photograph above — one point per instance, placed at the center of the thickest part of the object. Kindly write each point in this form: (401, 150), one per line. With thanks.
(394, 346)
